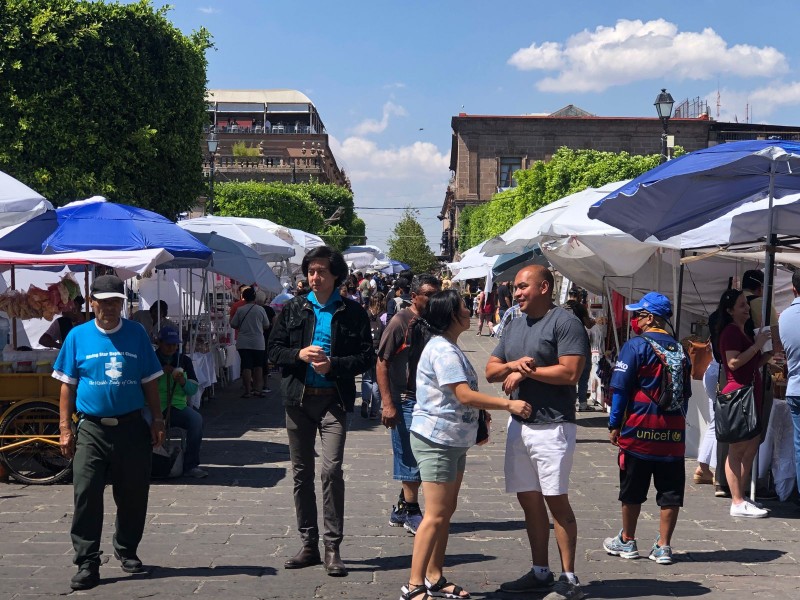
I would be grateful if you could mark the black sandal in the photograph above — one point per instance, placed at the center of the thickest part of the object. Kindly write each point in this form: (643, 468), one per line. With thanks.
(407, 593)
(435, 589)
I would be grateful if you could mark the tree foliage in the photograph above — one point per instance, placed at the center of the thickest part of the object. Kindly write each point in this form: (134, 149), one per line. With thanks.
(408, 244)
(298, 205)
(102, 98)
(568, 172)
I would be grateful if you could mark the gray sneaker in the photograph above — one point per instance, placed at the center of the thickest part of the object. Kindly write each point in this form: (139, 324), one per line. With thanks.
(566, 590)
(616, 547)
(528, 583)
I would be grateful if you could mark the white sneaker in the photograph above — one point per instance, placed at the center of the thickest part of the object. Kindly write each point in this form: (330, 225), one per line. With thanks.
(748, 510)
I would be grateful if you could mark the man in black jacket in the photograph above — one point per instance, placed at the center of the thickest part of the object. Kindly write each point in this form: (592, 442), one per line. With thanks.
(321, 342)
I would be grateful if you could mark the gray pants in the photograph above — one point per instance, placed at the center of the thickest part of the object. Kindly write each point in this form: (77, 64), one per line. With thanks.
(325, 415)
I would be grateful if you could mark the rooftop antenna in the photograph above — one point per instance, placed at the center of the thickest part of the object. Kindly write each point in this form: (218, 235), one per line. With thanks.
(719, 100)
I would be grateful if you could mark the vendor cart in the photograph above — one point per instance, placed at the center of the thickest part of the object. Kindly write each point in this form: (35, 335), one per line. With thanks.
(29, 429)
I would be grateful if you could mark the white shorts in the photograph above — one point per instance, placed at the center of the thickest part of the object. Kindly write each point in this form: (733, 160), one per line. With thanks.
(539, 457)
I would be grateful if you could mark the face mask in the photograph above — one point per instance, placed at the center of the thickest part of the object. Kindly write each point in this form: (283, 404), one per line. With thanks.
(635, 327)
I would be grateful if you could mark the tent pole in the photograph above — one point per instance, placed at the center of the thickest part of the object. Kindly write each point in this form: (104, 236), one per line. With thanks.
(13, 319)
(611, 312)
(679, 296)
(766, 305)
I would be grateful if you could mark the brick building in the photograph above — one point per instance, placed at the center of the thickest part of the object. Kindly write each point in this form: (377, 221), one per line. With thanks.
(283, 130)
(487, 149)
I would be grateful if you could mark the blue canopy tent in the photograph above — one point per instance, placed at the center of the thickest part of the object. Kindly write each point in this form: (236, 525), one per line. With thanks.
(394, 267)
(100, 225)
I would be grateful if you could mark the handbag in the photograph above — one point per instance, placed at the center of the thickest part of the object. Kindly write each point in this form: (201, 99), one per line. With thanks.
(735, 417)
(168, 458)
(483, 427)
(700, 354)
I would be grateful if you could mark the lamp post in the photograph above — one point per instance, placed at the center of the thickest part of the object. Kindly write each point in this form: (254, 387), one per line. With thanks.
(213, 144)
(663, 106)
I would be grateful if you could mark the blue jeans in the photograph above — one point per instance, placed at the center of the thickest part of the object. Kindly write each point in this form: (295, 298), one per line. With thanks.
(370, 394)
(192, 421)
(405, 465)
(793, 402)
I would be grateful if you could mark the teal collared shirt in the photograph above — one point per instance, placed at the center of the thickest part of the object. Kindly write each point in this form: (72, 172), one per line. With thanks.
(322, 334)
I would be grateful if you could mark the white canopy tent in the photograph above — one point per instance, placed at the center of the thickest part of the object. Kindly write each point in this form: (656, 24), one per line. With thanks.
(265, 243)
(18, 202)
(365, 257)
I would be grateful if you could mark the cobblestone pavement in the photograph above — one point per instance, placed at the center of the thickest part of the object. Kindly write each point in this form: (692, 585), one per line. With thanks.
(228, 535)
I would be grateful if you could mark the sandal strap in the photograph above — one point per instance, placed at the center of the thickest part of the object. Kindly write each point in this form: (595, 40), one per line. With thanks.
(408, 594)
(443, 583)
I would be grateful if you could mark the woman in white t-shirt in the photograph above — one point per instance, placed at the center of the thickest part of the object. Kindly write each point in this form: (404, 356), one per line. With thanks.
(443, 427)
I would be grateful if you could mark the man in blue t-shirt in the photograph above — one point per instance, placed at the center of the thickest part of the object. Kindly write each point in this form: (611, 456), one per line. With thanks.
(108, 373)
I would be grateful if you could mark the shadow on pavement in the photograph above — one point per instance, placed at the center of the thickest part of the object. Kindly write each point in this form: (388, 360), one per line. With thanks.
(487, 526)
(393, 563)
(242, 452)
(743, 555)
(230, 476)
(156, 572)
(600, 422)
(636, 588)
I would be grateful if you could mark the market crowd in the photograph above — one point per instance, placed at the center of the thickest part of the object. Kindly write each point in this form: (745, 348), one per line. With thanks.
(399, 336)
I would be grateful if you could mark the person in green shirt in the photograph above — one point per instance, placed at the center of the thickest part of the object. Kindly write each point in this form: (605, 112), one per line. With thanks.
(180, 382)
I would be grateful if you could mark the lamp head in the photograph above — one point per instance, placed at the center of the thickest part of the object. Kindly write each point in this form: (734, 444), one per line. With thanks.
(663, 104)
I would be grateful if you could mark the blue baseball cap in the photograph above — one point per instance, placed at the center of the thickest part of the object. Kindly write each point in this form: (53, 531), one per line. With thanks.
(169, 335)
(654, 303)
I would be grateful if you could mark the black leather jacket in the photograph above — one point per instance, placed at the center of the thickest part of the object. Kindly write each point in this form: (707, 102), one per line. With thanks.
(351, 348)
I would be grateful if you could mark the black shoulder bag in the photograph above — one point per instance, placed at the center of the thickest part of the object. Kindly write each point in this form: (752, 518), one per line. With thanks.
(735, 416)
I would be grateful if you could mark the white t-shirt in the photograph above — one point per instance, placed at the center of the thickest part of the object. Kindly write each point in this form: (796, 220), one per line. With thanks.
(438, 415)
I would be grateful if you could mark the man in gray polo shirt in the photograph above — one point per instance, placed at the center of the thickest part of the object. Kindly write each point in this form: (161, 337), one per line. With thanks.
(539, 359)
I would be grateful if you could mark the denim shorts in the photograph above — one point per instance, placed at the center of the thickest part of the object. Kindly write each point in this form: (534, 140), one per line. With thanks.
(438, 463)
(405, 465)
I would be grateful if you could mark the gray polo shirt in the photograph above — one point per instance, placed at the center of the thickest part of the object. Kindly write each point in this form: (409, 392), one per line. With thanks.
(558, 333)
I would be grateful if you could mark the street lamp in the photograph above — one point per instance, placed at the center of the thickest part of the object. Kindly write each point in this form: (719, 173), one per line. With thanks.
(213, 144)
(663, 106)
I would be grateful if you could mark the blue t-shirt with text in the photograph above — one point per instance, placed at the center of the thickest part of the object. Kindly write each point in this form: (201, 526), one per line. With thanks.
(109, 367)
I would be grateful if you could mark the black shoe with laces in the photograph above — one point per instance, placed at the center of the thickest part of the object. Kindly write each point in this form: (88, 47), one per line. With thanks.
(130, 564)
(87, 577)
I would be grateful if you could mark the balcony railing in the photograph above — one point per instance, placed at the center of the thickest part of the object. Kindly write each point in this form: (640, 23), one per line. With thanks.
(264, 163)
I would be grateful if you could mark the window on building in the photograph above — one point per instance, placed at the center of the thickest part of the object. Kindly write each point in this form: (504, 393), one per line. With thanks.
(508, 166)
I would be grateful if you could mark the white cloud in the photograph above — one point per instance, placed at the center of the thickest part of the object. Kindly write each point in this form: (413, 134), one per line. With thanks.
(632, 50)
(393, 178)
(368, 126)
(208, 10)
(397, 85)
(762, 101)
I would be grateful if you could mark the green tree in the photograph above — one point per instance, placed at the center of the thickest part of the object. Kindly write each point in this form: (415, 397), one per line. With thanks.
(568, 172)
(284, 203)
(407, 244)
(102, 98)
(298, 205)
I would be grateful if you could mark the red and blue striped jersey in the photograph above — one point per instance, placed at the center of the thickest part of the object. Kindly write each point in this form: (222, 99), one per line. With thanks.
(646, 431)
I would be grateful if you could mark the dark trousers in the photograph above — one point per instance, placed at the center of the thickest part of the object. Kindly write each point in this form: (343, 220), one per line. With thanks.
(325, 415)
(124, 454)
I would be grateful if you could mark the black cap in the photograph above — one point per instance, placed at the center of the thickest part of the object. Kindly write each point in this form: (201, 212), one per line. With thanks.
(108, 286)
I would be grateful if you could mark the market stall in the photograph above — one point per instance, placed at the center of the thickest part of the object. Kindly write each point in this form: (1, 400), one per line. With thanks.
(29, 396)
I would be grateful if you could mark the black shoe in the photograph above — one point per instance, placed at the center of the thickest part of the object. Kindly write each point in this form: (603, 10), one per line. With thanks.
(307, 557)
(130, 564)
(722, 491)
(87, 577)
(766, 494)
(333, 562)
(364, 411)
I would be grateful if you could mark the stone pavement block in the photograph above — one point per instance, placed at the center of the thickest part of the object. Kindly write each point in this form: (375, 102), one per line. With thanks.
(229, 535)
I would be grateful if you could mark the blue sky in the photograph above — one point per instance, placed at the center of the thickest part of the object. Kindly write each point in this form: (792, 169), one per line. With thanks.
(387, 77)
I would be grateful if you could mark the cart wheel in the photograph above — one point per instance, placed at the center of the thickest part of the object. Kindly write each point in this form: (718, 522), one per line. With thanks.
(35, 462)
